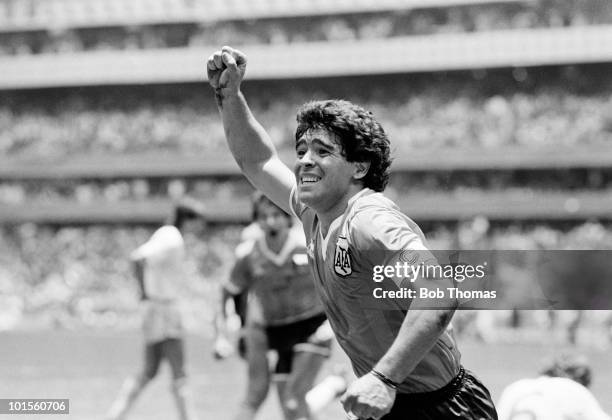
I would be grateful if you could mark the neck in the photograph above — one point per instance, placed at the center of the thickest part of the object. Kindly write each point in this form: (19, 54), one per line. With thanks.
(327, 216)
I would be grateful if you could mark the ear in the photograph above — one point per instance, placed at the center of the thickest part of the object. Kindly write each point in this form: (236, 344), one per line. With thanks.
(360, 169)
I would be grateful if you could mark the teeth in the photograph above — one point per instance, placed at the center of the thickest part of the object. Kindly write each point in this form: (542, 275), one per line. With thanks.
(310, 179)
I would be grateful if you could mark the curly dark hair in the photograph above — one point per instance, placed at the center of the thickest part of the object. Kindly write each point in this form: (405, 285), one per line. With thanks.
(258, 198)
(570, 366)
(187, 209)
(362, 138)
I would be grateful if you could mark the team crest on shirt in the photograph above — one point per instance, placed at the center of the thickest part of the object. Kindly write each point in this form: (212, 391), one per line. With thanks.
(342, 258)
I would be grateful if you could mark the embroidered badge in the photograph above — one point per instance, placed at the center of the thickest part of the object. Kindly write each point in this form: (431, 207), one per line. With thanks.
(342, 258)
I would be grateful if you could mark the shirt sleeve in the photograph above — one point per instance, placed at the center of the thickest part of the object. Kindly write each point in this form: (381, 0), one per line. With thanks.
(384, 238)
(164, 241)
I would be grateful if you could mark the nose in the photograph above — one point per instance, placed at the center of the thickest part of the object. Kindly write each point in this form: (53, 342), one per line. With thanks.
(306, 159)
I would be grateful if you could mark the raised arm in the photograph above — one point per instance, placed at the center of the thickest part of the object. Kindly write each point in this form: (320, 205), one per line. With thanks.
(247, 139)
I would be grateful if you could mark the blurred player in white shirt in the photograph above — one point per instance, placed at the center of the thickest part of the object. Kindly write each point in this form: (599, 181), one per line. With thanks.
(159, 269)
(559, 394)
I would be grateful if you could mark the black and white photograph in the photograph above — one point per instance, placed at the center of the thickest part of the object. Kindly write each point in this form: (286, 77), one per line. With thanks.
(306, 209)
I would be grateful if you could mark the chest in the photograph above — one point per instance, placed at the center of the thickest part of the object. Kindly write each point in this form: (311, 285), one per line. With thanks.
(338, 274)
(295, 264)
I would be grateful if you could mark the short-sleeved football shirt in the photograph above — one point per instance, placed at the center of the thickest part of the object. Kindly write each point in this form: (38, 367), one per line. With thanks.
(280, 283)
(164, 256)
(372, 231)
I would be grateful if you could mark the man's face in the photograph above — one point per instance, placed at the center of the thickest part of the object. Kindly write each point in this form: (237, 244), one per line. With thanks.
(272, 220)
(323, 175)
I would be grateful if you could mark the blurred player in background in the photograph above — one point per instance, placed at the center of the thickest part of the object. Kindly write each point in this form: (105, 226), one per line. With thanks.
(407, 361)
(559, 394)
(159, 269)
(283, 313)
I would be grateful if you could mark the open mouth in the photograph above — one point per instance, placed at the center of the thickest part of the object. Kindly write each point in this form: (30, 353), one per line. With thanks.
(309, 179)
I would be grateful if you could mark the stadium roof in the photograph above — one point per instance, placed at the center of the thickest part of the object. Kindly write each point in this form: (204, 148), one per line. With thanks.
(459, 51)
(30, 15)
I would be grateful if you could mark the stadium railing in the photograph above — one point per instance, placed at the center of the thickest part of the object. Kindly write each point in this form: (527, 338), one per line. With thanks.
(439, 52)
(222, 165)
(437, 207)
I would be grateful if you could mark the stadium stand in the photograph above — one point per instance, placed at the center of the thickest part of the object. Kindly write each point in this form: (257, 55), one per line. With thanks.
(497, 108)
(439, 52)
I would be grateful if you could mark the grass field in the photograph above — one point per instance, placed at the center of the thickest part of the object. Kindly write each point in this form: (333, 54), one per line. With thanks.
(89, 367)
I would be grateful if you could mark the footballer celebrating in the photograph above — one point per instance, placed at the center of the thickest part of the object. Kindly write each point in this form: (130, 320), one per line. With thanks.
(406, 360)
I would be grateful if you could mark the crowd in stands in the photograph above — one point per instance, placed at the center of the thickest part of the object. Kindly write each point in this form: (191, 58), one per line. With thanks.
(70, 277)
(428, 114)
(113, 191)
(433, 115)
(358, 26)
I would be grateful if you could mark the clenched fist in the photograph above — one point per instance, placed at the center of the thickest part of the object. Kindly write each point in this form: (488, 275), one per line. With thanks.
(226, 70)
(368, 398)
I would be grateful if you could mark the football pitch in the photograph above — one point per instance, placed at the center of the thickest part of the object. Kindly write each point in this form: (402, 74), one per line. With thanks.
(89, 367)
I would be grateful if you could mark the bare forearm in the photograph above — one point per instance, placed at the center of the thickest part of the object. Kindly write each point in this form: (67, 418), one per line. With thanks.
(247, 139)
(221, 314)
(417, 335)
(138, 270)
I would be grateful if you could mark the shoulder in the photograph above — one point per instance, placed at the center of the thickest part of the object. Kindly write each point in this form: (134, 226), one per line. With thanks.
(168, 234)
(163, 240)
(377, 221)
(250, 232)
(244, 249)
(569, 386)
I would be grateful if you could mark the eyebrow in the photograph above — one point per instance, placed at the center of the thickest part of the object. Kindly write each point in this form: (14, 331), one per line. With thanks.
(316, 141)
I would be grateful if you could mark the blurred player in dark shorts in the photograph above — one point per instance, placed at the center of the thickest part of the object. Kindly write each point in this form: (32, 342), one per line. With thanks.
(406, 359)
(282, 312)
